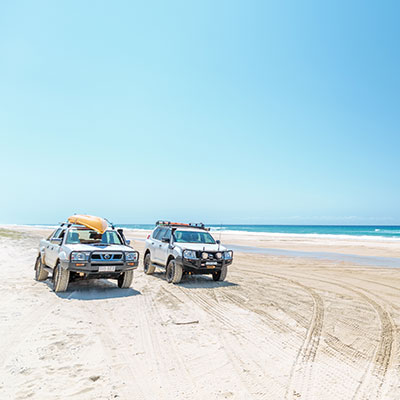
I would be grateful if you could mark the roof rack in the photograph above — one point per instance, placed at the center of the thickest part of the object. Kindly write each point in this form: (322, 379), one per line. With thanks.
(182, 225)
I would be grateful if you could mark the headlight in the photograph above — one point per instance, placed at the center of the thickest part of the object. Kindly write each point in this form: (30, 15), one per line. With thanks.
(79, 256)
(228, 255)
(204, 256)
(131, 256)
(218, 255)
(189, 254)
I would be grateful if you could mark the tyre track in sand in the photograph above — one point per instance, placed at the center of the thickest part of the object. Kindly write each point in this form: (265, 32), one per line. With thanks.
(397, 289)
(23, 331)
(371, 385)
(383, 354)
(243, 365)
(300, 374)
(344, 352)
(161, 373)
(301, 370)
(172, 366)
(181, 371)
(114, 359)
(154, 368)
(373, 378)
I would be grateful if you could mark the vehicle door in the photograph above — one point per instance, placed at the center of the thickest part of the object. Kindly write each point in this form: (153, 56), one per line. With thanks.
(53, 247)
(163, 248)
(157, 244)
(151, 243)
(47, 247)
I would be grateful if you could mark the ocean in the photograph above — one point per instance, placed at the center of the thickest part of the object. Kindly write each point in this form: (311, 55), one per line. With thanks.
(377, 231)
(346, 230)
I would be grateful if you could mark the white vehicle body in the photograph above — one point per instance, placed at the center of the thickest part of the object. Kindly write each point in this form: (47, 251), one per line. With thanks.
(106, 255)
(200, 255)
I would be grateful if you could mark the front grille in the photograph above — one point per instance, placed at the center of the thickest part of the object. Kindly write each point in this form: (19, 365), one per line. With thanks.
(107, 256)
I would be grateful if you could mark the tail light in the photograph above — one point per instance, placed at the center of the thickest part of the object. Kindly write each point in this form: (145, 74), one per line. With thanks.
(148, 237)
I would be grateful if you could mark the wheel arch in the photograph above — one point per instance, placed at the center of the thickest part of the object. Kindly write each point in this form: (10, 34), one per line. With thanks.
(170, 257)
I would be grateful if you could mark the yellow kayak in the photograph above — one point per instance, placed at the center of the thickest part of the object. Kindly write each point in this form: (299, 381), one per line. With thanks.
(98, 224)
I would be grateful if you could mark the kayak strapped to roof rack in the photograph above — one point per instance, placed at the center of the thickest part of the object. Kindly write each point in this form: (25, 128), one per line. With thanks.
(96, 223)
(179, 224)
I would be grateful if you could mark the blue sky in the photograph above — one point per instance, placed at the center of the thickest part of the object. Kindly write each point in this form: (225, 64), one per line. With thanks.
(219, 111)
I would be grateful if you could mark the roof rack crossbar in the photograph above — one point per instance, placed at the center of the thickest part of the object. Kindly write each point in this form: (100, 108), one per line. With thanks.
(179, 224)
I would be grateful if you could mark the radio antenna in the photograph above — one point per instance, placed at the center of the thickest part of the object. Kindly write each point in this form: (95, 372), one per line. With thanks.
(112, 225)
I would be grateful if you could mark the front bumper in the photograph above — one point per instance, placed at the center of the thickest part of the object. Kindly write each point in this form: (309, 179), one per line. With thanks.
(97, 269)
(200, 266)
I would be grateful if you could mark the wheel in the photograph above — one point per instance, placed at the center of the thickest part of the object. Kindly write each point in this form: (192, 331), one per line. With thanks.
(174, 272)
(40, 273)
(60, 279)
(125, 280)
(148, 267)
(220, 275)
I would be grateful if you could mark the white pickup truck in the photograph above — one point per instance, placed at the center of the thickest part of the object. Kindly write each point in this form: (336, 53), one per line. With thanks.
(75, 252)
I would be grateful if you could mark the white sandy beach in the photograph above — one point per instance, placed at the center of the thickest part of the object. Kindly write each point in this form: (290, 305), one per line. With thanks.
(277, 328)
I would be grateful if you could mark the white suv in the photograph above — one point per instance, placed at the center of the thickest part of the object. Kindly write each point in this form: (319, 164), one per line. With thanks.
(185, 249)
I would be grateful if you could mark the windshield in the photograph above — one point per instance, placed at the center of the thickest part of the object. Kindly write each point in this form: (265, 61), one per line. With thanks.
(88, 236)
(193, 237)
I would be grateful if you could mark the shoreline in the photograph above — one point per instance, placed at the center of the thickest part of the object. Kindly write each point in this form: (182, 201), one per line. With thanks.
(214, 231)
(368, 252)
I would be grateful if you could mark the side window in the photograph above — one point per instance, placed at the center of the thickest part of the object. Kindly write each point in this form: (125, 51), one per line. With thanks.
(167, 235)
(62, 234)
(160, 233)
(155, 233)
(56, 234)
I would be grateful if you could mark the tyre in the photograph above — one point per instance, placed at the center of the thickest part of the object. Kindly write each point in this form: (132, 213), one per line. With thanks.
(220, 275)
(174, 272)
(148, 267)
(60, 279)
(40, 273)
(125, 280)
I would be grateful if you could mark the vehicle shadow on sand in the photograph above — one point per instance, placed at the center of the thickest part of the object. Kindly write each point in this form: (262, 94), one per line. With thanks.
(199, 281)
(95, 289)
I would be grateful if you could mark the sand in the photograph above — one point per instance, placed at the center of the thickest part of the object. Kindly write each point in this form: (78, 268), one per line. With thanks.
(277, 328)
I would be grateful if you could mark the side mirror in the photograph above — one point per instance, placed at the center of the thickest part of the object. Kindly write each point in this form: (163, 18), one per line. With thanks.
(56, 241)
(218, 241)
(128, 242)
(165, 240)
